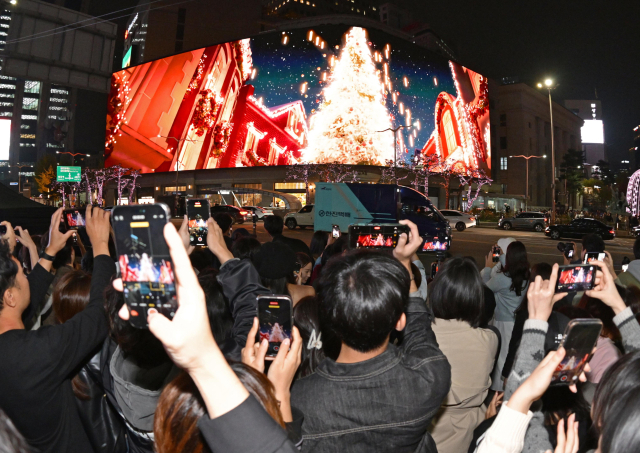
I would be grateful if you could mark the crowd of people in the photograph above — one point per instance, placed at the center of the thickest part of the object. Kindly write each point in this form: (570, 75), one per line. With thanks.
(381, 357)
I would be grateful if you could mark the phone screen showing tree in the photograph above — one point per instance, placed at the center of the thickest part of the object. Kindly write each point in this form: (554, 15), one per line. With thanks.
(145, 264)
(275, 317)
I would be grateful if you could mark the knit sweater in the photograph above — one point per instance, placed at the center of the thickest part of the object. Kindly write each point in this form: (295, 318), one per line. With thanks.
(530, 354)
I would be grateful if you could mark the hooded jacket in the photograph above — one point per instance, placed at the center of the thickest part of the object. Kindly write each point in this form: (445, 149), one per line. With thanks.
(134, 392)
(632, 276)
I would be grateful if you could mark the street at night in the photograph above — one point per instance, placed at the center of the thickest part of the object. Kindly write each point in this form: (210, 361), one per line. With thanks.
(216, 220)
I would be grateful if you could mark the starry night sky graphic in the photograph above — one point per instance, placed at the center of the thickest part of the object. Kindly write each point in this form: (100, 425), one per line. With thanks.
(280, 69)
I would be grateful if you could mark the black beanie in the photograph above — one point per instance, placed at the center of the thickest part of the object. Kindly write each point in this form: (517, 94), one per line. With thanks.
(275, 260)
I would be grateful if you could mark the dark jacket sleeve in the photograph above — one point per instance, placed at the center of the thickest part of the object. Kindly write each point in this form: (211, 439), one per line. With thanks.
(246, 429)
(420, 342)
(39, 282)
(74, 341)
(241, 285)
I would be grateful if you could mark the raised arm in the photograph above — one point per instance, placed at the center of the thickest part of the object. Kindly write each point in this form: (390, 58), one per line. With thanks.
(74, 340)
(605, 290)
(189, 342)
(40, 278)
(241, 285)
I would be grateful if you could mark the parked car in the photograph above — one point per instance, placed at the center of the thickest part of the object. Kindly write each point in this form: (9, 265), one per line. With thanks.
(525, 220)
(579, 227)
(238, 215)
(258, 211)
(459, 220)
(303, 218)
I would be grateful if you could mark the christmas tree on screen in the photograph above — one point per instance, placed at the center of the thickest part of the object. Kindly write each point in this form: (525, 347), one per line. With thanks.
(353, 109)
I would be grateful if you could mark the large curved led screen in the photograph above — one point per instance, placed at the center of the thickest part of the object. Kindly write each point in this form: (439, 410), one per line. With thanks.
(330, 94)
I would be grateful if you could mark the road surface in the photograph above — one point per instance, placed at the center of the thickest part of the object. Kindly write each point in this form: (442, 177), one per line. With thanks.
(477, 243)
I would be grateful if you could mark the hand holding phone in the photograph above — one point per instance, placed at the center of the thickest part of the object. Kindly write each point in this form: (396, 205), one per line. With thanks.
(495, 253)
(275, 318)
(594, 256)
(579, 277)
(377, 236)
(144, 261)
(605, 288)
(198, 212)
(580, 338)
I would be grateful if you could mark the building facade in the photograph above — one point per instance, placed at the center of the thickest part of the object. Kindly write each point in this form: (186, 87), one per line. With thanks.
(634, 151)
(592, 131)
(520, 126)
(159, 29)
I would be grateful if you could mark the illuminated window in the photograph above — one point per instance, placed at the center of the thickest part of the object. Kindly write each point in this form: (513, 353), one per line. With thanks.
(449, 132)
(31, 86)
(503, 163)
(275, 151)
(253, 137)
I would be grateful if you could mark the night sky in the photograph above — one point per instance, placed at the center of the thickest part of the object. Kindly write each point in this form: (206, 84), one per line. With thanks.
(585, 46)
(280, 68)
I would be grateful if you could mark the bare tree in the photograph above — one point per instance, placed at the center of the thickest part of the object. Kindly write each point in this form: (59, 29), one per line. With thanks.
(133, 184)
(337, 172)
(390, 174)
(117, 173)
(100, 177)
(446, 173)
(302, 172)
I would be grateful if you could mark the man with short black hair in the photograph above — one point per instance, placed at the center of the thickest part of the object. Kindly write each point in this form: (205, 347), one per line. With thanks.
(274, 226)
(591, 243)
(375, 396)
(37, 366)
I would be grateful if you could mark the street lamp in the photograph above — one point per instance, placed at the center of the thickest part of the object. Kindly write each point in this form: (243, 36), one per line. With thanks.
(395, 139)
(526, 203)
(178, 140)
(548, 84)
(73, 154)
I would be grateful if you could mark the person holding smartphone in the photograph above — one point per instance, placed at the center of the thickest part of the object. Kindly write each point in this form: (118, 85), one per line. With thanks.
(36, 365)
(632, 276)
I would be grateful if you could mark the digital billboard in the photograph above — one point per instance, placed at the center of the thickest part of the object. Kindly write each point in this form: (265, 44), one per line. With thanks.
(592, 131)
(332, 93)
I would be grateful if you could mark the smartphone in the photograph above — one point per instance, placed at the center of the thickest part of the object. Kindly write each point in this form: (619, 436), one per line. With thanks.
(625, 264)
(495, 253)
(198, 212)
(73, 219)
(435, 267)
(436, 244)
(335, 231)
(580, 277)
(275, 315)
(590, 256)
(3, 230)
(377, 236)
(580, 337)
(143, 260)
(566, 249)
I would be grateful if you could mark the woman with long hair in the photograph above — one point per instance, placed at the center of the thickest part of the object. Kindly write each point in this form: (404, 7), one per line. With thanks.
(509, 285)
(181, 406)
(456, 297)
